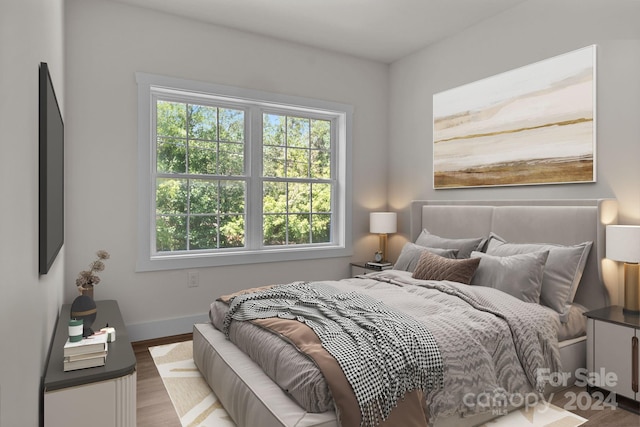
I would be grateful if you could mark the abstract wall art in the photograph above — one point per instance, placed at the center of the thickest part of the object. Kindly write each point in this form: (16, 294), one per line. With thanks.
(531, 125)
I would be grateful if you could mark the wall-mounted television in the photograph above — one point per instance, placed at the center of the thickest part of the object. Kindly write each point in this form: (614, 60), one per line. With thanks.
(51, 173)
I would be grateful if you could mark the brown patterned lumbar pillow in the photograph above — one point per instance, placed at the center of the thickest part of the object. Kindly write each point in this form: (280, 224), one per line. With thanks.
(434, 267)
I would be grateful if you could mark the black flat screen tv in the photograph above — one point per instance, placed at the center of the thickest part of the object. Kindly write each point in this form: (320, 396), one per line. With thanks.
(51, 173)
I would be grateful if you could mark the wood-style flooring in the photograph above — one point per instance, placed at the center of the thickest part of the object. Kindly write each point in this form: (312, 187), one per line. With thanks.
(156, 410)
(154, 406)
(574, 398)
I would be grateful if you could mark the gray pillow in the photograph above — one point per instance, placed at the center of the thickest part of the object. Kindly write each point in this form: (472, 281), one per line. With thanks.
(411, 252)
(464, 246)
(562, 272)
(518, 275)
(434, 267)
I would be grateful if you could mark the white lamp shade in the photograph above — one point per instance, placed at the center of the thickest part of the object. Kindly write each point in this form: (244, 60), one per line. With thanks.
(383, 222)
(623, 243)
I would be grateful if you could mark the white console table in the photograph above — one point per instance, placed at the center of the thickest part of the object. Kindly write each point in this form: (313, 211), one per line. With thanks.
(103, 396)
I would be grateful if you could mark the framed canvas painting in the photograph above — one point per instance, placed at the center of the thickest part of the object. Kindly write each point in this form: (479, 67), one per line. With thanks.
(531, 125)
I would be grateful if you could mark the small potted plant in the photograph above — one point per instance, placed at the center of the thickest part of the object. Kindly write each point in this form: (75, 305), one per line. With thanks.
(88, 278)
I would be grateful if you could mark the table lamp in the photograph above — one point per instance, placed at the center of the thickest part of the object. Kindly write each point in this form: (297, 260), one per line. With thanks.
(623, 244)
(382, 223)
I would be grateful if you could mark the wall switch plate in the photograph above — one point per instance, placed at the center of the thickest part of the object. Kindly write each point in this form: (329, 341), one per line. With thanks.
(193, 279)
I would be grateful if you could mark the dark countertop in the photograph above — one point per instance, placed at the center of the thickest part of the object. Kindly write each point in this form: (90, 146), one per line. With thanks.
(615, 314)
(120, 361)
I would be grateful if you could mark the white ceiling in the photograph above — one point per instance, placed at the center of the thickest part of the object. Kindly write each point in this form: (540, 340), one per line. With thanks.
(381, 30)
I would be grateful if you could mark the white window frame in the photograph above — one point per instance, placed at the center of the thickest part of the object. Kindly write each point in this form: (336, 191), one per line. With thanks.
(149, 85)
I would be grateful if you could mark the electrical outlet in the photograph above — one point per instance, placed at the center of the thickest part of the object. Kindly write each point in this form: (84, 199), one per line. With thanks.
(193, 279)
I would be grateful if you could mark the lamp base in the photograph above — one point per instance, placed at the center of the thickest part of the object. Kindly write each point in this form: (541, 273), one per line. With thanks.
(382, 244)
(631, 288)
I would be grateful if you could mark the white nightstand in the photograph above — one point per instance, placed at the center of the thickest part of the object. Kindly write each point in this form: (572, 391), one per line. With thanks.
(612, 350)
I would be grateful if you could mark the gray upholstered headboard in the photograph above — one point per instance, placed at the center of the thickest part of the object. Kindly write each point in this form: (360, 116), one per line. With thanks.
(532, 221)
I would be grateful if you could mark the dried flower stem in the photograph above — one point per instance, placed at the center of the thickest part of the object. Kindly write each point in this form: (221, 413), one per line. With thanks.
(88, 278)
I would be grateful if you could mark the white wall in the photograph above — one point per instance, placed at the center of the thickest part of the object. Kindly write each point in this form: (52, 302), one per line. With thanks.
(530, 32)
(106, 44)
(31, 31)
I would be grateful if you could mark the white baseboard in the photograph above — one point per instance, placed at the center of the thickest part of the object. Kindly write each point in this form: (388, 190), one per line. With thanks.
(164, 328)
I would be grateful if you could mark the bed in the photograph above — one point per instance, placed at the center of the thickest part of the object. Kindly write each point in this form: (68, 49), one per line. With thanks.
(508, 230)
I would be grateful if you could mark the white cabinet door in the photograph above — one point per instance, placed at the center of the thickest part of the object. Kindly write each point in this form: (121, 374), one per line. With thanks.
(110, 403)
(86, 405)
(612, 353)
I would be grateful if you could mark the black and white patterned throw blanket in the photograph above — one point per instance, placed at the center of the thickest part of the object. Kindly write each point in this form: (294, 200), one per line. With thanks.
(382, 352)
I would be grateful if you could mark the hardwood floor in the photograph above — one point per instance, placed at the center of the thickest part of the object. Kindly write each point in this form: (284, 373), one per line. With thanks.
(156, 410)
(599, 415)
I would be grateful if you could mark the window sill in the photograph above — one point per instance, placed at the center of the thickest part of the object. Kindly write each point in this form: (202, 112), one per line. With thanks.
(177, 262)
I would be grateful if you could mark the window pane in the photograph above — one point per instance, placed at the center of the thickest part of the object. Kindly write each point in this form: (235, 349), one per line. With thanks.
(297, 163)
(320, 164)
(203, 232)
(231, 125)
(171, 156)
(204, 172)
(273, 126)
(299, 200)
(321, 198)
(203, 122)
(203, 197)
(299, 227)
(321, 134)
(171, 233)
(231, 157)
(273, 161)
(231, 231)
(203, 157)
(171, 196)
(274, 201)
(297, 132)
(232, 197)
(275, 229)
(274, 197)
(171, 119)
(321, 228)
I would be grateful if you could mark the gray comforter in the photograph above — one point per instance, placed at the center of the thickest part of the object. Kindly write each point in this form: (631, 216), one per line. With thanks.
(382, 352)
(492, 344)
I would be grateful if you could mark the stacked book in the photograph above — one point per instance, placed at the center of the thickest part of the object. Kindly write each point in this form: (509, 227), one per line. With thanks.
(379, 265)
(86, 353)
